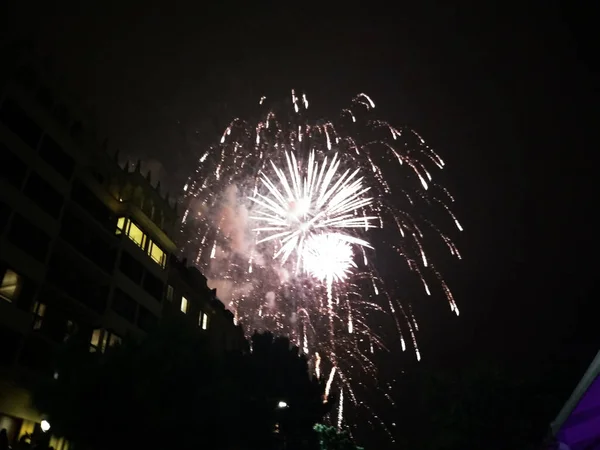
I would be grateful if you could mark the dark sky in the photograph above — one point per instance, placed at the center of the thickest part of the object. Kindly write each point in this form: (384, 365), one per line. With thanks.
(507, 95)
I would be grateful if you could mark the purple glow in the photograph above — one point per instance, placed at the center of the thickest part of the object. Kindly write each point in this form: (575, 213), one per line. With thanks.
(581, 430)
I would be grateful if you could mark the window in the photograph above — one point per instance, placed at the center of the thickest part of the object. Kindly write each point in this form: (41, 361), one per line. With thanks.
(157, 254)
(132, 231)
(10, 285)
(121, 222)
(204, 319)
(146, 320)
(70, 330)
(114, 340)
(20, 123)
(170, 293)
(29, 237)
(10, 343)
(101, 339)
(153, 286)
(131, 267)
(12, 169)
(184, 305)
(41, 192)
(55, 156)
(96, 341)
(124, 305)
(137, 235)
(87, 240)
(39, 309)
(37, 354)
(86, 198)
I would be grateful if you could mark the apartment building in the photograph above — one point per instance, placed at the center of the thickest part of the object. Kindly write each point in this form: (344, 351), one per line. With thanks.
(87, 245)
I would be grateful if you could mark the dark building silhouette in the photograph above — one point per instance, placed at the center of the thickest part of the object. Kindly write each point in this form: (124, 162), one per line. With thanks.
(86, 245)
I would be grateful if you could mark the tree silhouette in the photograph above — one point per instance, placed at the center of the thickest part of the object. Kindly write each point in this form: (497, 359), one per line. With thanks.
(279, 394)
(173, 391)
(332, 439)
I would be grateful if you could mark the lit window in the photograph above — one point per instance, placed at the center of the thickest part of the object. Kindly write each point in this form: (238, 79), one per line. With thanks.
(157, 254)
(184, 305)
(170, 293)
(101, 339)
(96, 340)
(121, 223)
(136, 235)
(39, 309)
(10, 286)
(134, 232)
(204, 321)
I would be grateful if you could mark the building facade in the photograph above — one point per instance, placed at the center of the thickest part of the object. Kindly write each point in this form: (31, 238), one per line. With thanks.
(86, 246)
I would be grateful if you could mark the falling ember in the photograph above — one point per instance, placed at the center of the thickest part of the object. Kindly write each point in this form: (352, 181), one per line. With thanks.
(318, 365)
(375, 287)
(340, 410)
(311, 198)
(329, 382)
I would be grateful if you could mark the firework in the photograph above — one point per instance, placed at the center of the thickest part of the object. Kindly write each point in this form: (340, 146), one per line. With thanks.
(321, 201)
(279, 217)
(328, 257)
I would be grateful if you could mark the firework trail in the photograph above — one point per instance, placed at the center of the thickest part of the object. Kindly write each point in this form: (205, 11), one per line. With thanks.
(279, 215)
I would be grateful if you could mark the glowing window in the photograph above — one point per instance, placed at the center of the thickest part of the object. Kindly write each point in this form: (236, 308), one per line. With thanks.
(184, 305)
(170, 293)
(10, 285)
(121, 224)
(96, 340)
(204, 321)
(101, 339)
(136, 235)
(157, 254)
(39, 309)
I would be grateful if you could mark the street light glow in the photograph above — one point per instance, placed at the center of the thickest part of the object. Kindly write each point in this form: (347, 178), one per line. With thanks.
(282, 404)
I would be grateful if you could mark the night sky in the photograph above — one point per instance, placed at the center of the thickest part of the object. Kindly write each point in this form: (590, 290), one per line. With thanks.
(505, 96)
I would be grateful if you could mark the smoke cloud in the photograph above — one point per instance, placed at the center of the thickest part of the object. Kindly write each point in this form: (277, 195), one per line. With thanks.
(227, 290)
(231, 218)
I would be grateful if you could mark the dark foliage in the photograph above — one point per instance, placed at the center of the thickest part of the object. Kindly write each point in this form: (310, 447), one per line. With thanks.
(332, 439)
(173, 391)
